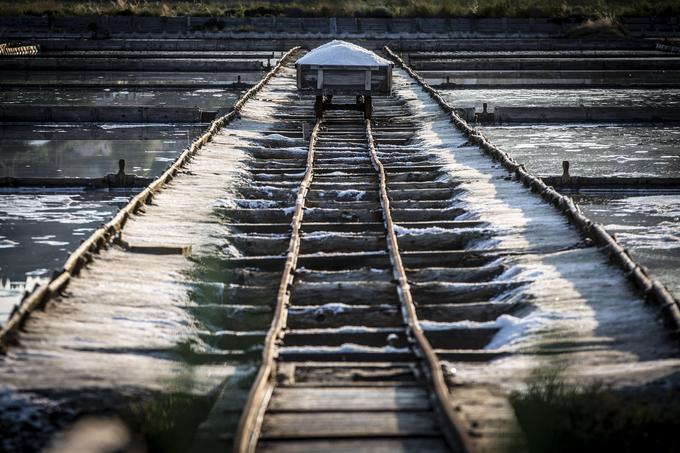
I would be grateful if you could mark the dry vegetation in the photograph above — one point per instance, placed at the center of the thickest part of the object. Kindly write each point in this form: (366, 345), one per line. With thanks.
(347, 8)
(558, 417)
(601, 27)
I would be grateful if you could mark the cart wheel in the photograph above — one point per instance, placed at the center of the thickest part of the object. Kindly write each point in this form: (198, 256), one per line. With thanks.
(368, 108)
(318, 106)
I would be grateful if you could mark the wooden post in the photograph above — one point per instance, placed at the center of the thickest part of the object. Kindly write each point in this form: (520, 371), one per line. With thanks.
(319, 79)
(121, 167)
(565, 170)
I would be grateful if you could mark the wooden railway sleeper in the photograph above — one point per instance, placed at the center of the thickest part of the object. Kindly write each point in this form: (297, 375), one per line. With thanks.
(248, 433)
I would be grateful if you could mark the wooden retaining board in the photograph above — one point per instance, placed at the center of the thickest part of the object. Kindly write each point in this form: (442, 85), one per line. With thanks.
(352, 80)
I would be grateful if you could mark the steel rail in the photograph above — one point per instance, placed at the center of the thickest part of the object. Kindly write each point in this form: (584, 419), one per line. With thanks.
(105, 234)
(452, 427)
(649, 287)
(249, 426)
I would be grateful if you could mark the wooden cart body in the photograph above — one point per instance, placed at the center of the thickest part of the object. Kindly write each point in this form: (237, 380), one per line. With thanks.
(342, 68)
(345, 80)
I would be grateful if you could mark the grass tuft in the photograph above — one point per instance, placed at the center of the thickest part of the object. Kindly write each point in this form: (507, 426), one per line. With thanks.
(605, 26)
(349, 8)
(559, 417)
(166, 423)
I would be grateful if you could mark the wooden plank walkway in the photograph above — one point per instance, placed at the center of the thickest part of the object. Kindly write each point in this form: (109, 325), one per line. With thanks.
(503, 286)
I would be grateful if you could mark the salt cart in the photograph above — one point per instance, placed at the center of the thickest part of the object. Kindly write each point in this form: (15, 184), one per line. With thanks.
(342, 68)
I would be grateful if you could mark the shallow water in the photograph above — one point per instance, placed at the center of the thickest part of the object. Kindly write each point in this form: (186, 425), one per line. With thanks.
(583, 311)
(122, 78)
(207, 98)
(39, 230)
(65, 150)
(648, 225)
(528, 97)
(593, 150)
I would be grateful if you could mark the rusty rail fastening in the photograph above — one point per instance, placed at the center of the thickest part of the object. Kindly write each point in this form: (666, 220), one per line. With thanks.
(652, 290)
(105, 234)
(6, 50)
(452, 428)
(250, 423)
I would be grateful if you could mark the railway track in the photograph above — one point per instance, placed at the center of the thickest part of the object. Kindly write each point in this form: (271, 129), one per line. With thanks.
(356, 229)
(348, 242)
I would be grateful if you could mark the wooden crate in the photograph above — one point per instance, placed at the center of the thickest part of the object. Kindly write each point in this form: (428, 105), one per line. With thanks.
(345, 80)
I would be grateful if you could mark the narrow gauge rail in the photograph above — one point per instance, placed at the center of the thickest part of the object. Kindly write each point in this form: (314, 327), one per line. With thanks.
(346, 373)
(346, 364)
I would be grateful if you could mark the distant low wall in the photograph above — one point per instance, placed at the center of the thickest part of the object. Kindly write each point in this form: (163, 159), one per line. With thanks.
(109, 26)
(109, 114)
(263, 42)
(552, 64)
(586, 114)
(130, 64)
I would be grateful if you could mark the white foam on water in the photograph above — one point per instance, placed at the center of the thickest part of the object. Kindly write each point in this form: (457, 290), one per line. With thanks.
(342, 53)
(6, 243)
(125, 125)
(52, 243)
(254, 204)
(323, 234)
(351, 194)
(572, 292)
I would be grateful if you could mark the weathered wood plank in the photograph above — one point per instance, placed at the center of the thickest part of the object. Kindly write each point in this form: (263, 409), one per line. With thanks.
(464, 355)
(463, 338)
(327, 399)
(265, 244)
(412, 215)
(440, 239)
(356, 424)
(454, 275)
(411, 445)
(361, 274)
(333, 315)
(366, 293)
(441, 292)
(341, 354)
(337, 337)
(476, 311)
(315, 374)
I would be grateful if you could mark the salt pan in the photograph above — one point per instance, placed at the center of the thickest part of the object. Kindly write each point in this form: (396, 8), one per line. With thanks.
(341, 53)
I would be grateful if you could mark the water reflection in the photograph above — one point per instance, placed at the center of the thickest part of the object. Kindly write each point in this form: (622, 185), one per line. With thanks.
(593, 150)
(50, 155)
(649, 226)
(145, 80)
(530, 97)
(11, 292)
(39, 230)
(207, 99)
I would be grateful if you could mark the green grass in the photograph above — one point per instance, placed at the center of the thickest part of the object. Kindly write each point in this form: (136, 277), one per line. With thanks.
(558, 417)
(166, 423)
(347, 8)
